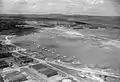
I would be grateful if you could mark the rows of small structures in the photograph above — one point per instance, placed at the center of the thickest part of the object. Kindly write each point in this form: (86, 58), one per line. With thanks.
(16, 74)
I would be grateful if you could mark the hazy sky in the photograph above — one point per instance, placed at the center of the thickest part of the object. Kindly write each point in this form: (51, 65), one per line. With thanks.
(86, 7)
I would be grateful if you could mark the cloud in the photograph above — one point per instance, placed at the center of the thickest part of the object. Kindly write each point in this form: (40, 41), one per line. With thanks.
(87, 7)
(94, 1)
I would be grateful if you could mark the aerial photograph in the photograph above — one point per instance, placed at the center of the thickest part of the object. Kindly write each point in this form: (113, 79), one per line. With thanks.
(59, 41)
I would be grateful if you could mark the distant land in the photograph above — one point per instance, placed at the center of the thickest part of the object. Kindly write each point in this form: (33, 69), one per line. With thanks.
(108, 20)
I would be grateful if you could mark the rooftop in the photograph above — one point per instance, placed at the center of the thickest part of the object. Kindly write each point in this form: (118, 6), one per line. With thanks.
(3, 64)
(68, 80)
(49, 72)
(15, 76)
(4, 55)
(38, 66)
(25, 59)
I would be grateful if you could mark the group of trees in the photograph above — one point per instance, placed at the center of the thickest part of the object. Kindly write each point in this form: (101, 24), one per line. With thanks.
(6, 24)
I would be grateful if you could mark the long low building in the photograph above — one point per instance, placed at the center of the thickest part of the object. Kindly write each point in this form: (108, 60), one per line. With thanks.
(1, 79)
(23, 60)
(15, 76)
(5, 55)
(47, 71)
(3, 64)
(38, 67)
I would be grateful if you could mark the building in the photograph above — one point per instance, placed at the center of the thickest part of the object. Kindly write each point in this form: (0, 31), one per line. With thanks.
(18, 78)
(1, 46)
(66, 80)
(45, 70)
(4, 47)
(69, 79)
(3, 64)
(51, 75)
(1, 79)
(38, 67)
(23, 60)
(41, 56)
(49, 72)
(15, 76)
(11, 47)
(5, 55)
(32, 75)
(67, 59)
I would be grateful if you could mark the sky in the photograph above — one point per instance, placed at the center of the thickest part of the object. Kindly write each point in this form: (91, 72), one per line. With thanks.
(79, 7)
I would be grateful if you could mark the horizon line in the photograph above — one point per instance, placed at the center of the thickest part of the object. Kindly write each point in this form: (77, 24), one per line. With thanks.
(56, 14)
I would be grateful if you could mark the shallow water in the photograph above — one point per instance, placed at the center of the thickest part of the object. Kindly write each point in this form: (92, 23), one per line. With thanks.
(88, 49)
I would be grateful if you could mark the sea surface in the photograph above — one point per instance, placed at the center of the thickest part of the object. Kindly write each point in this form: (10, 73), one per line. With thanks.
(100, 47)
